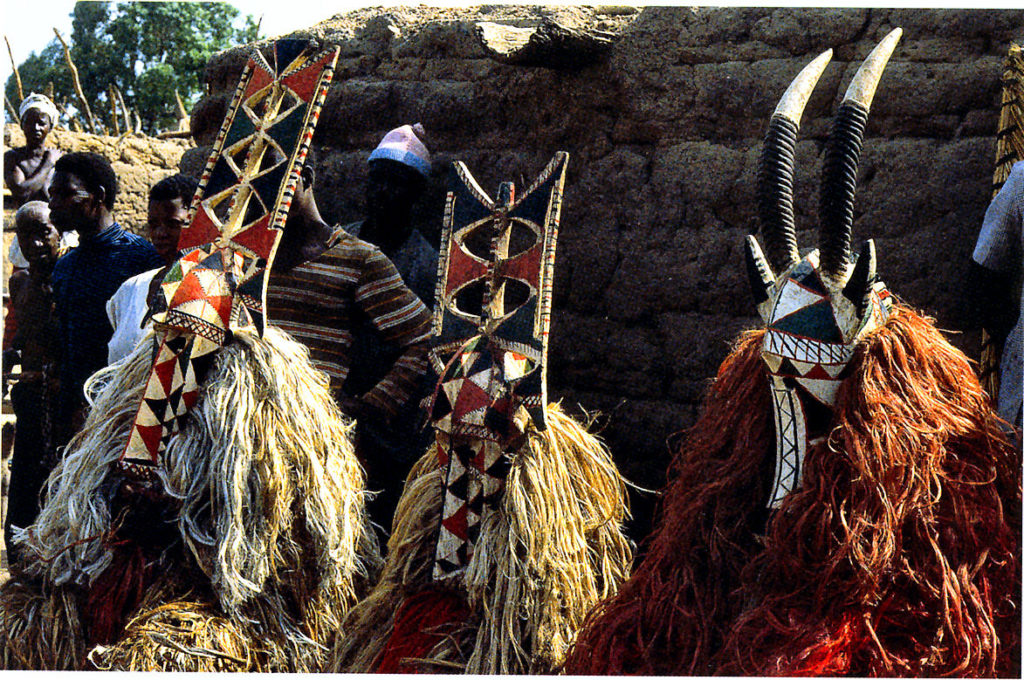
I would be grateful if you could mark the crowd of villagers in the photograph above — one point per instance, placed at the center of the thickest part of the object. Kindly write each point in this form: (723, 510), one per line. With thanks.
(247, 443)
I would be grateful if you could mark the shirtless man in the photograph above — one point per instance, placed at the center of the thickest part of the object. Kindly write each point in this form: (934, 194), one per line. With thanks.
(28, 169)
(32, 396)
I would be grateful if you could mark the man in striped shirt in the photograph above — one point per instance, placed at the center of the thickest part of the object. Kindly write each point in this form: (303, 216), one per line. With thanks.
(325, 284)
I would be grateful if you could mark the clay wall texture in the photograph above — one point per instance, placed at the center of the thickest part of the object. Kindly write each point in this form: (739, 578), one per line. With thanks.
(664, 133)
(139, 162)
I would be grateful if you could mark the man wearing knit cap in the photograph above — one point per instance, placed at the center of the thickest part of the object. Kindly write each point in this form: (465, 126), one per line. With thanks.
(399, 168)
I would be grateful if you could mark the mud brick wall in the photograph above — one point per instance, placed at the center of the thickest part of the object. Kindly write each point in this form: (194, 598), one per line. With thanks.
(664, 132)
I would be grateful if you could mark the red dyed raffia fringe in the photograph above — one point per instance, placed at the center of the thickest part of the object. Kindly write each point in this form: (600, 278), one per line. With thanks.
(898, 555)
(422, 621)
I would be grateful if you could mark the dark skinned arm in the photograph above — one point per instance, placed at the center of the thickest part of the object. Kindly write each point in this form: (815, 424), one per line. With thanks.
(23, 185)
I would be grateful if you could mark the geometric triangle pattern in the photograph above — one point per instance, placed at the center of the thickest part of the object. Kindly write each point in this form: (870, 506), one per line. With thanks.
(234, 227)
(171, 391)
(474, 480)
(810, 321)
(492, 361)
(811, 335)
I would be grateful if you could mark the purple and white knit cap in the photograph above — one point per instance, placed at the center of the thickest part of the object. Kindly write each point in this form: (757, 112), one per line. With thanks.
(403, 145)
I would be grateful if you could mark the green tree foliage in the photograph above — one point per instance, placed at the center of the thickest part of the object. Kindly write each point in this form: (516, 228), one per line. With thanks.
(147, 49)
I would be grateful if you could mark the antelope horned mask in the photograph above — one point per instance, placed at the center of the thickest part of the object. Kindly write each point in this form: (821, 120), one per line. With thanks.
(820, 306)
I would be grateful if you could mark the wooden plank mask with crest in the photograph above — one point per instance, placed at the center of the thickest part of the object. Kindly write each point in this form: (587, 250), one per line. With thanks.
(218, 285)
(489, 344)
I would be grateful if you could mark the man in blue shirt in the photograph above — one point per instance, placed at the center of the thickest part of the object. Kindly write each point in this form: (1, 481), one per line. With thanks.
(81, 198)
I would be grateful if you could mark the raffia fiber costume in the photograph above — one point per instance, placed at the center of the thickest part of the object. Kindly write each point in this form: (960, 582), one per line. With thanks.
(847, 502)
(509, 528)
(210, 515)
(254, 547)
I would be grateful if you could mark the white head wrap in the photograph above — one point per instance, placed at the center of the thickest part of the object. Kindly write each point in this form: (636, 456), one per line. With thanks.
(41, 102)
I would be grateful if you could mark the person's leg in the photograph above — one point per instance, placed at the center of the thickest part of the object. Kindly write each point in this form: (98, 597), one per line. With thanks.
(28, 473)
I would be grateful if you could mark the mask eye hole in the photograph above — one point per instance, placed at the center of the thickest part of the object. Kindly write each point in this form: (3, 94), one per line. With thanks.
(470, 298)
(514, 294)
(477, 240)
(521, 237)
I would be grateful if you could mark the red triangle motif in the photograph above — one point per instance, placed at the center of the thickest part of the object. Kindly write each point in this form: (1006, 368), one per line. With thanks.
(222, 304)
(525, 266)
(304, 82)
(189, 399)
(164, 371)
(260, 79)
(818, 373)
(151, 435)
(470, 398)
(259, 238)
(462, 269)
(201, 231)
(190, 288)
(456, 522)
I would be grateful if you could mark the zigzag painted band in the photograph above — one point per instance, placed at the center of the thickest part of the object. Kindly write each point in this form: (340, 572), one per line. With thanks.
(804, 349)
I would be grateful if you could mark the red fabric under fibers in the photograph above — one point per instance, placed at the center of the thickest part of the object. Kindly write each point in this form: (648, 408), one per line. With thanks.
(115, 594)
(422, 621)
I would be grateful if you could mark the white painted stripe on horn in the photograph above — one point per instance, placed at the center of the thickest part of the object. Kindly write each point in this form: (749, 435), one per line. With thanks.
(862, 87)
(794, 100)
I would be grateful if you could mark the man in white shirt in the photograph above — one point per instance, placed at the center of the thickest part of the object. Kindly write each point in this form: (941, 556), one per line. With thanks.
(167, 215)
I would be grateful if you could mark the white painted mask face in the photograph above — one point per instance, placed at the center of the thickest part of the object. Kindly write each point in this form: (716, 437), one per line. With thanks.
(821, 305)
(812, 331)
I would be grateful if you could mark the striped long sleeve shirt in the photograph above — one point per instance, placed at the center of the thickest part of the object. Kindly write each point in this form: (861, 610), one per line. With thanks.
(322, 301)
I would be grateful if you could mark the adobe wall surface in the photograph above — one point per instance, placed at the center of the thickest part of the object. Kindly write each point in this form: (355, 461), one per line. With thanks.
(664, 133)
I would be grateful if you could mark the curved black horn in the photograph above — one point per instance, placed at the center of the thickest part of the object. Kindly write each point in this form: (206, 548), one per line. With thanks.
(842, 153)
(775, 171)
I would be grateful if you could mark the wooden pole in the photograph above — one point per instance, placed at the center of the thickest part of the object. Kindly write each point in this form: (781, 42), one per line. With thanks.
(14, 67)
(182, 113)
(113, 110)
(77, 82)
(124, 110)
(73, 122)
(14, 111)
(174, 134)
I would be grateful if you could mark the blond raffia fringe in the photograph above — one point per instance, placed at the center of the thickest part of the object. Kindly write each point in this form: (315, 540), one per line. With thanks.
(39, 628)
(552, 551)
(270, 495)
